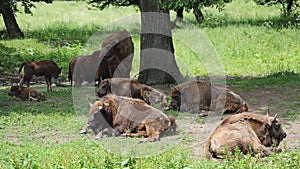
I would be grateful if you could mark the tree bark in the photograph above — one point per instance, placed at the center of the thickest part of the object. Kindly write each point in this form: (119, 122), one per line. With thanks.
(11, 24)
(198, 14)
(289, 6)
(157, 60)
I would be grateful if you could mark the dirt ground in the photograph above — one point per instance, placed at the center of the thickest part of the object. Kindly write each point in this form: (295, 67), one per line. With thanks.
(278, 100)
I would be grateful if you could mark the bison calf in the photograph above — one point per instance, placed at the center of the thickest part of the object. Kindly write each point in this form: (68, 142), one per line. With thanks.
(194, 96)
(46, 68)
(132, 88)
(26, 93)
(116, 115)
(247, 132)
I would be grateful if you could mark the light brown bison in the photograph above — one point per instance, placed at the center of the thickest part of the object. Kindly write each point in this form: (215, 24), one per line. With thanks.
(46, 68)
(116, 115)
(196, 95)
(247, 132)
(113, 60)
(132, 88)
(26, 93)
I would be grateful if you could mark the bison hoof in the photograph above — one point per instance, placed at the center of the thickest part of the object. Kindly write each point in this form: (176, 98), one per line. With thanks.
(83, 132)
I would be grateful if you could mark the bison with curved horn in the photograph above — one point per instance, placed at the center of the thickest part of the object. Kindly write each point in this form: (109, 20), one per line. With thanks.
(247, 132)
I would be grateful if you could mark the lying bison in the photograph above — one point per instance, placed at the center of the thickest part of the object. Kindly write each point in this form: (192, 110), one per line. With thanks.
(194, 96)
(46, 68)
(26, 93)
(132, 88)
(246, 132)
(116, 115)
(113, 60)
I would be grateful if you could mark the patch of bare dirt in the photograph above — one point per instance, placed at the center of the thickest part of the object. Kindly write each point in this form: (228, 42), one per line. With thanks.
(279, 100)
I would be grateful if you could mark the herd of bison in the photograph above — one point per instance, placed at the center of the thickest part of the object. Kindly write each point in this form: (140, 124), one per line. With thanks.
(126, 107)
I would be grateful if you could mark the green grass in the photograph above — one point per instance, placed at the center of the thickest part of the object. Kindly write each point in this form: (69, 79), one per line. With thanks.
(252, 45)
(254, 42)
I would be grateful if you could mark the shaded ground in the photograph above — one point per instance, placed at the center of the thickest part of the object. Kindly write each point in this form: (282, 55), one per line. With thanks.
(282, 100)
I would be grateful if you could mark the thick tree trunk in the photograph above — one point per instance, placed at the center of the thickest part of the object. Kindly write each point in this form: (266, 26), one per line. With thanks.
(289, 6)
(198, 14)
(157, 63)
(179, 15)
(11, 24)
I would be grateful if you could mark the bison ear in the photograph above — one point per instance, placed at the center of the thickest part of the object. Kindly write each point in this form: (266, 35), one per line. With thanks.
(100, 105)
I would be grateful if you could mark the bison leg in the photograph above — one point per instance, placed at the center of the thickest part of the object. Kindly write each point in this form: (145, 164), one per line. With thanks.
(138, 134)
(110, 132)
(33, 96)
(48, 81)
(85, 129)
(261, 150)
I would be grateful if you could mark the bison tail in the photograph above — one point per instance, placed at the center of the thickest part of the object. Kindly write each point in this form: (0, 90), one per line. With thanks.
(70, 76)
(21, 67)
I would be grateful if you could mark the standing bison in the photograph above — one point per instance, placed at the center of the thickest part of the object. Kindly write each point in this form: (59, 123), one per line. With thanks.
(246, 132)
(194, 96)
(116, 115)
(113, 60)
(132, 88)
(46, 68)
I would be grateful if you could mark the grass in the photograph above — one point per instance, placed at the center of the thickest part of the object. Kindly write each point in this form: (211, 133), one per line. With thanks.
(256, 43)
(46, 135)
(251, 45)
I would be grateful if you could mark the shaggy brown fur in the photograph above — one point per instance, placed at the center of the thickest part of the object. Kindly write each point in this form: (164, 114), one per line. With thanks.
(26, 93)
(113, 60)
(71, 69)
(46, 68)
(132, 88)
(129, 116)
(247, 132)
(194, 96)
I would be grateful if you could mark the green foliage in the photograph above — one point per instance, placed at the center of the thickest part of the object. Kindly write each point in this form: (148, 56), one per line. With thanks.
(288, 7)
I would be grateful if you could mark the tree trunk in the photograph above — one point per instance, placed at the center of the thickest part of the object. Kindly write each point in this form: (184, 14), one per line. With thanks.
(11, 24)
(179, 15)
(198, 14)
(289, 6)
(157, 60)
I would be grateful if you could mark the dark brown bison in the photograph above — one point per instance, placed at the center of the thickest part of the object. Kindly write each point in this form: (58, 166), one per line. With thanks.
(247, 132)
(46, 68)
(26, 93)
(116, 115)
(71, 69)
(194, 96)
(132, 88)
(113, 60)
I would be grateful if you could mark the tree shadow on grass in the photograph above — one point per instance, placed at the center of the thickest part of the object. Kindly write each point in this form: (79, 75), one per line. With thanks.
(279, 79)
(277, 22)
(9, 58)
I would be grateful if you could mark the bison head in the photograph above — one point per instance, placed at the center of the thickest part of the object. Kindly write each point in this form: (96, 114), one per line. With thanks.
(104, 88)
(175, 99)
(57, 73)
(14, 91)
(99, 118)
(275, 130)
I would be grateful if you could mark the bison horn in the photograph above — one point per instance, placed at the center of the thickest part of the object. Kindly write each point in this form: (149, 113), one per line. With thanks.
(268, 112)
(275, 116)
(90, 102)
